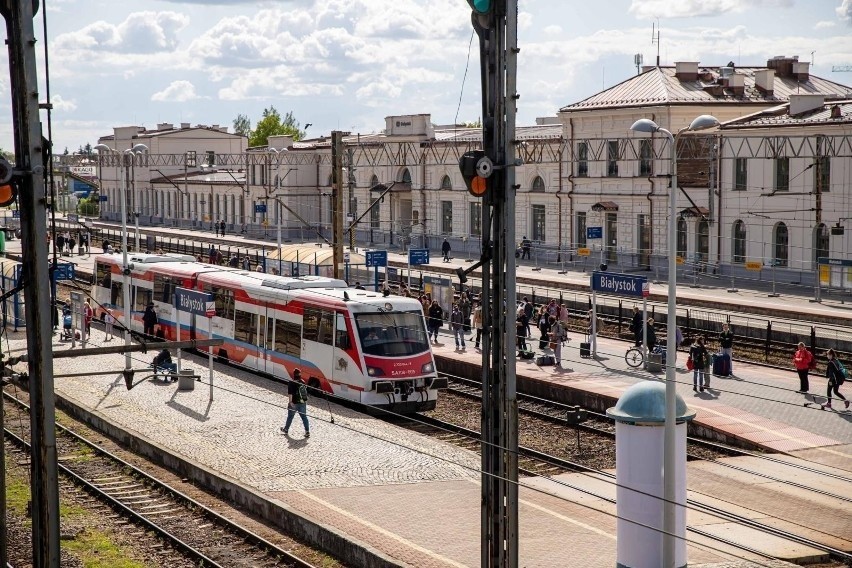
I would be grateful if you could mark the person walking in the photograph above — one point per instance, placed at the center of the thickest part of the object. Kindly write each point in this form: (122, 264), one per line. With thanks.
(636, 326)
(445, 250)
(557, 336)
(88, 314)
(804, 361)
(465, 307)
(436, 317)
(457, 325)
(526, 246)
(60, 244)
(529, 310)
(298, 392)
(222, 226)
(836, 373)
(726, 342)
(109, 321)
(149, 319)
(212, 254)
(698, 354)
(246, 263)
(544, 328)
(477, 323)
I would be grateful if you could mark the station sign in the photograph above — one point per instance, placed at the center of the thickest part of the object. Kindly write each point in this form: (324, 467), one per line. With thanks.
(260, 207)
(195, 302)
(756, 266)
(620, 284)
(594, 232)
(376, 258)
(584, 252)
(102, 198)
(418, 256)
(64, 271)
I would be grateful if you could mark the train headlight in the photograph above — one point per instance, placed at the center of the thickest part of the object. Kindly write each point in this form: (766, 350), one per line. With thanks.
(374, 372)
(428, 368)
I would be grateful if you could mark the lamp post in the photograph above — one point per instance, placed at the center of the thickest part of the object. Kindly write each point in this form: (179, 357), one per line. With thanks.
(137, 150)
(125, 268)
(278, 155)
(669, 466)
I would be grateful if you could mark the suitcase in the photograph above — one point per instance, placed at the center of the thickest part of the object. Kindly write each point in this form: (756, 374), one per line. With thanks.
(721, 365)
(525, 354)
(544, 360)
(585, 349)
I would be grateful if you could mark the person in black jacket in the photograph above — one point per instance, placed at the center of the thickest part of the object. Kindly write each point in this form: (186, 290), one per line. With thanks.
(726, 342)
(436, 317)
(445, 250)
(836, 377)
(149, 319)
(652, 335)
(636, 326)
(698, 353)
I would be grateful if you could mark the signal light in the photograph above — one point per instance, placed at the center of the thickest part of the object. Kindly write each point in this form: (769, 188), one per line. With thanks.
(480, 6)
(476, 169)
(8, 194)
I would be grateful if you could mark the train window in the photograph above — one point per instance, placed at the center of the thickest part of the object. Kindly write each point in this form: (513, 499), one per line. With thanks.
(310, 323)
(245, 326)
(116, 297)
(288, 338)
(225, 303)
(326, 328)
(341, 338)
(318, 325)
(103, 273)
(392, 333)
(143, 298)
(164, 289)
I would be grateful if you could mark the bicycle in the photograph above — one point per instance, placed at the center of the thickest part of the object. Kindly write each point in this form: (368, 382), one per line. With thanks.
(635, 358)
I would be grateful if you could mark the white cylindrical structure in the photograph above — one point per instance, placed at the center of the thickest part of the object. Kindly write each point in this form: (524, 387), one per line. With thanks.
(640, 451)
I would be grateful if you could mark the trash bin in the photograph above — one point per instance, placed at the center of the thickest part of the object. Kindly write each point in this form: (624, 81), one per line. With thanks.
(186, 379)
(655, 363)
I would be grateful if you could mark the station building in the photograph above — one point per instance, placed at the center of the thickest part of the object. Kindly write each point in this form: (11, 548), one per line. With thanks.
(768, 185)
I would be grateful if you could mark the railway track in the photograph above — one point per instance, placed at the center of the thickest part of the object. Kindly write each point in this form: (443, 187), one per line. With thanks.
(186, 528)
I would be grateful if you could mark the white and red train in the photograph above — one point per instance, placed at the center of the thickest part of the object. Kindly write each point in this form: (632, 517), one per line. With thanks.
(354, 344)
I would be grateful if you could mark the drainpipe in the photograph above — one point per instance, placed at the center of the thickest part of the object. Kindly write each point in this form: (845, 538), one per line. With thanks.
(559, 200)
(570, 194)
(719, 208)
(422, 218)
(650, 198)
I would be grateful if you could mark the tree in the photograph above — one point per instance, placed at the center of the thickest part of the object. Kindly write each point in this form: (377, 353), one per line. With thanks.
(242, 125)
(477, 124)
(273, 125)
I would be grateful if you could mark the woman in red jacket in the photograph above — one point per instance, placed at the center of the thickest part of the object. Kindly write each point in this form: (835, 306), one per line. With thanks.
(803, 361)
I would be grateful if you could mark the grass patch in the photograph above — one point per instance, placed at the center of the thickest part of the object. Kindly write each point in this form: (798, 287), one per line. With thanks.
(96, 550)
(17, 495)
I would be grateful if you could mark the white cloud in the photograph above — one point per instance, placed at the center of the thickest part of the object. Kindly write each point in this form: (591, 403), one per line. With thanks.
(844, 11)
(649, 9)
(553, 30)
(62, 105)
(824, 24)
(176, 92)
(140, 32)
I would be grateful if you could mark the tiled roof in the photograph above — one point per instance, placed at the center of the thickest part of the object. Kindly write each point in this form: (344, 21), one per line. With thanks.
(659, 86)
(779, 116)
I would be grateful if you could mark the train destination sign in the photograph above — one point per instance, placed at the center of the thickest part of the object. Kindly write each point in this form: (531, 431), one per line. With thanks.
(620, 284)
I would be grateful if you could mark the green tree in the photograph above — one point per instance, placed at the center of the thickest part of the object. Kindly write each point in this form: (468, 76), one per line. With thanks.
(477, 124)
(273, 125)
(242, 125)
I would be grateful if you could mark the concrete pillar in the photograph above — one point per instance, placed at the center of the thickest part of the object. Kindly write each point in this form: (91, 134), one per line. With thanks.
(639, 449)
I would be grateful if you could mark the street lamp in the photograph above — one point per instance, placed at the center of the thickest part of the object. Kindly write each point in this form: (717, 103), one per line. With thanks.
(670, 455)
(125, 268)
(137, 150)
(278, 155)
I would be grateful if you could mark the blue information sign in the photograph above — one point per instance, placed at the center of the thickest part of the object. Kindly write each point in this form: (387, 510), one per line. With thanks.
(260, 207)
(16, 214)
(64, 271)
(594, 232)
(376, 257)
(418, 256)
(620, 284)
(834, 261)
(102, 198)
(194, 302)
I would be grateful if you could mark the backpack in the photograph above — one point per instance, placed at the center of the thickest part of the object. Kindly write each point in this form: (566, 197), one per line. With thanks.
(303, 393)
(843, 375)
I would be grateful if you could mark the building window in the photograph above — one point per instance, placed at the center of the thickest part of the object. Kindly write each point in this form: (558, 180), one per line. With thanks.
(821, 246)
(644, 239)
(612, 158)
(822, 174)
(446, 184)
(191, 159)
(446, 217)
(646, 155)
(537, 185)
(780, 242)
(476, 219)
(702, 241)
(406, 176)
(782, 174)
(738, 252)
(582, 159)
(580, 233)
(374, 213)
(740, 174)
(210, 158)
(681, 238)
(538, 223)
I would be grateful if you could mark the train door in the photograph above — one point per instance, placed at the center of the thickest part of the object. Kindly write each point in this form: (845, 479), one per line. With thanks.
(318, 342)
(265, 343)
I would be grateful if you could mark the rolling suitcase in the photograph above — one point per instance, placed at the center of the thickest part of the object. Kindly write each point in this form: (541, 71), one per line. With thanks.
(721, 365)
(545, 360)
(586, 348)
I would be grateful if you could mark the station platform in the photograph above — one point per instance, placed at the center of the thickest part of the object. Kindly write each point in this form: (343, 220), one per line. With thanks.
(378, 495)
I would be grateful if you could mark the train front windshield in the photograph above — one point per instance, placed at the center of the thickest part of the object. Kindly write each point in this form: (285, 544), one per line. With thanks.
(392, 334)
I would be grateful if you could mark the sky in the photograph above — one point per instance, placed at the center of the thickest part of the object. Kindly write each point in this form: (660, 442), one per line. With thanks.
(347, 64)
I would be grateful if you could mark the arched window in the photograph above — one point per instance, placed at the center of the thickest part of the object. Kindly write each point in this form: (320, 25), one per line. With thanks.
(702, 241)
(681, 238)
(330, 180)
(780, 242)
(406, 176)
(446, 184)
(821, 246)
(738, 243)
(537, 185)
(374, 181)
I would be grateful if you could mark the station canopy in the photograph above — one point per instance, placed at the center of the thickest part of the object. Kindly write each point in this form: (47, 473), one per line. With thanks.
(309, 259)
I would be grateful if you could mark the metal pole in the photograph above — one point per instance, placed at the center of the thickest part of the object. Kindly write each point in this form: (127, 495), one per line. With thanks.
(125, 269)
(135, 198)
(669, 450)
(337, 201)
(352, 204)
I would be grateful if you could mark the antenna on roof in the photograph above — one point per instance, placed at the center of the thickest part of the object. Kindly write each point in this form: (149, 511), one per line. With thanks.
(655, 38)
(637, 60)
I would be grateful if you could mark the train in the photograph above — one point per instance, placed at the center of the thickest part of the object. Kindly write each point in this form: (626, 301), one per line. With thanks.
(354, 344)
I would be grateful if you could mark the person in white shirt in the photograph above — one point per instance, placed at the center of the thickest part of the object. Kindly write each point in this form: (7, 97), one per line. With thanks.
(109, 320)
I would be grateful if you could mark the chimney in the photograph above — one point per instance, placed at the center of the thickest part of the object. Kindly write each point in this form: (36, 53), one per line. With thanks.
(800, 70)
(800, 104)
(783, 66)
(686, 70)
(736, 83)
(764, 80)
(214, 126)
(165, 126)
(184, 125)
